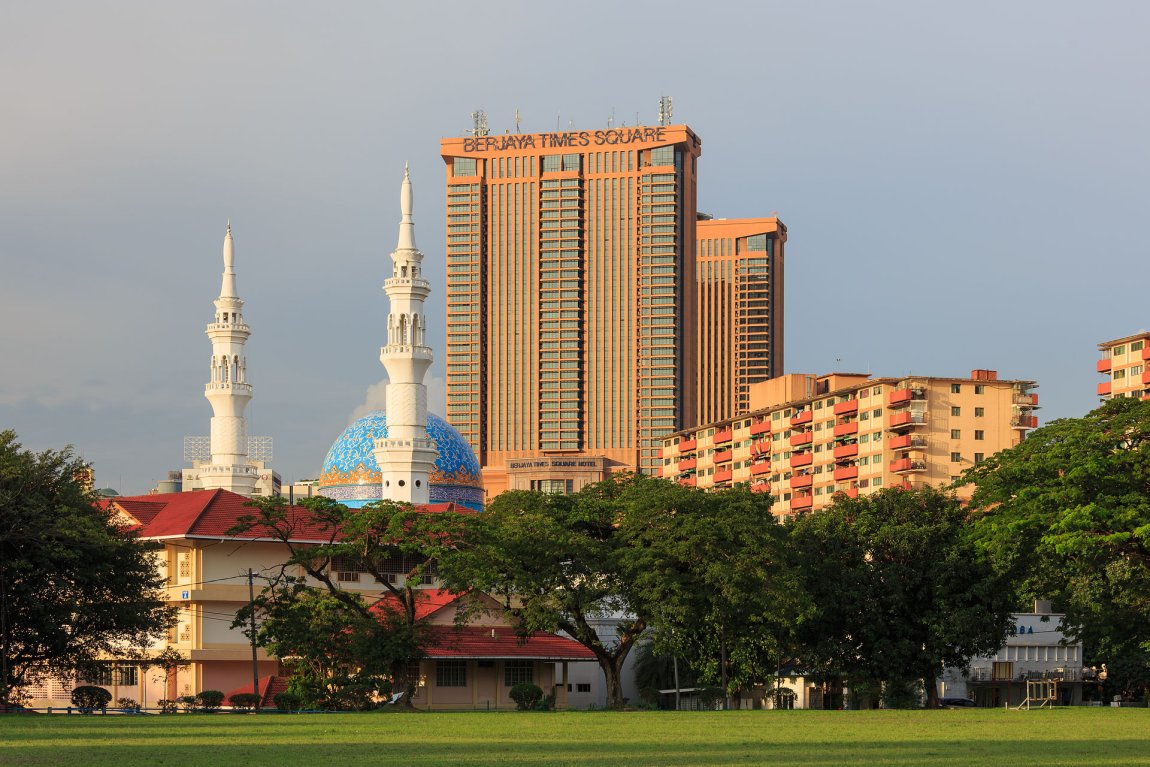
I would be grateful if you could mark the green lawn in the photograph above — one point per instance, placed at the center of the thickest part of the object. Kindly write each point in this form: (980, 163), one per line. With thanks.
(971, 738)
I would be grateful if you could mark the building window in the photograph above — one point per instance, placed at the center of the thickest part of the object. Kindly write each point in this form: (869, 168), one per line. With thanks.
(979, 388)
(1136, 346)
(1118, 350)
(451, 673)
(979, 457)
(463, 166)
(518, 672)
(553, 486)
(956, 457)
(955, 434)
(583, 687)
(956, 388)
(979, 412)
(979, 434)
(956, 411)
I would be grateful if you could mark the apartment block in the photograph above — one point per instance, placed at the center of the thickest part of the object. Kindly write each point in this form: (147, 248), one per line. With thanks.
(806, 437)
(1126, 365)
(739, 274)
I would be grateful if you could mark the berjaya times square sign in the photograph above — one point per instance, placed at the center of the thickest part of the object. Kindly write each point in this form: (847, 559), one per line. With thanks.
(608, 137)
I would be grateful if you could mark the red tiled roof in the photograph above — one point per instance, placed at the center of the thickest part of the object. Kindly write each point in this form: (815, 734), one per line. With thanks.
(427, 601)
(211, 513)
(501, 642)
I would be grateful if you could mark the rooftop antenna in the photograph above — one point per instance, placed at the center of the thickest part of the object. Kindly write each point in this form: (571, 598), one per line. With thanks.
(571, 124)
(516, 119)
(479, 118)
(664, 111)
(556, 121)
(611, 119)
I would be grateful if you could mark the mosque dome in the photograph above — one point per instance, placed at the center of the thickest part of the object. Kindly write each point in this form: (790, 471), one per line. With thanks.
(351, 475)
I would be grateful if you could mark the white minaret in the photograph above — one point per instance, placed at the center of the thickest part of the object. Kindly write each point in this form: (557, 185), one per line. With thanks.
(407, 457)
(229, 390)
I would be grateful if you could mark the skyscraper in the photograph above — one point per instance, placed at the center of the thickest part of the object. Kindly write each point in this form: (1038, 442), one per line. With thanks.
(570, 300)
(739, 272)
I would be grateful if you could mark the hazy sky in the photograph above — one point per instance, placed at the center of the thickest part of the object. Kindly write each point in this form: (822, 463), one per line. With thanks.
(964, 186)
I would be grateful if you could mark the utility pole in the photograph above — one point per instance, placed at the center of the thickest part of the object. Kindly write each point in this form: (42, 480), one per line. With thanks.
(252, 608)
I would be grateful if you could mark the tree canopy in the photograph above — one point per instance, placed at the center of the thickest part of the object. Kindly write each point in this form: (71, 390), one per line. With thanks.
(1066, 514)
(74, 583)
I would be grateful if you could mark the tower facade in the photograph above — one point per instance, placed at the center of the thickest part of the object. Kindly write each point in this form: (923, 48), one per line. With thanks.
(228, 389)
(739, 273)
(406, 456)
(570, 300)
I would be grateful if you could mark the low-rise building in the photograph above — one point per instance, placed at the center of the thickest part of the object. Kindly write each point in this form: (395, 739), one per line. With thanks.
(808, 437)
(1125, 363)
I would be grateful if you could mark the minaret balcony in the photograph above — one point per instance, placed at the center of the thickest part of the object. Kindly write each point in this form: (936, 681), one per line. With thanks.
(237, 327)
(228, 386)
(398, 350)
(416, 285)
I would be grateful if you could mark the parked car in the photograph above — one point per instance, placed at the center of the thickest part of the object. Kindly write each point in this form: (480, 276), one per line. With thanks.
(955, 703)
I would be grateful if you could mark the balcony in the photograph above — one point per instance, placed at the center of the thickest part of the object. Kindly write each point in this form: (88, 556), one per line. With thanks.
(759, 469)
(762, 447)
(846, 472)
(847, 408)
(1103, 366)
(723, 475)
(800, 502)
(850, 492)
(907, 442)
(759, 427)
(688, 481)
(723, 456)
(1146, 377)
(1026, 400)
(846, 451)
(905, 420)
(799, 481)
(904, 465)
(798, 461)
(1024, 421)
(688, 445)
(724, 435)
(1104, 389)
(1146, 352)
(903, 397)
(688, 463)
(846, 429)
(801, 419)
(761, 487)
(799, 440)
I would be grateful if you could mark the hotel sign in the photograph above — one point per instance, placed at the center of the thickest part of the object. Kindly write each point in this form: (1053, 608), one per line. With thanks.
(558, 463)
(568, 139)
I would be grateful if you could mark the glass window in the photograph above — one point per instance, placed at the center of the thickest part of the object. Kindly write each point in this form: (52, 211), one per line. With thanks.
(451, 673)
(979, 434)
(955, 434)
(956, 388)
(979, 388)
(979, 412)
(463, 166)
(956, 411)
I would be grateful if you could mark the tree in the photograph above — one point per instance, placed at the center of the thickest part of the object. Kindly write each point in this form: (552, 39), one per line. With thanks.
(1066, 514)
(384, 540)
(559, 563)
(75, 585)
(899, 590)
(713, 569)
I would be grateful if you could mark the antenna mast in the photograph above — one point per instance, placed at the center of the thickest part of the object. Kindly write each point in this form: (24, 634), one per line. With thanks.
(664, 111)
(479, 118)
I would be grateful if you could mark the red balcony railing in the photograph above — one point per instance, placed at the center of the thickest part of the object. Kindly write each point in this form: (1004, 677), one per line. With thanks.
(799, 419)
(1146, 377)
(688, 481)
(688, 445)
(846, 408)
(805, 438)
(801, 480)
(758, 427)
(723, 456)
(724, 436)
(1026, 400)
(846, 472)
(901, 420)
(1024, 421)
(903, 397)
(761, 487)
(723, 475)
(802, 502)
(907, 442)
(846, 451)
(851, 492)
(845, 429)
(761, 468)
(1104, 389)
(1146, 351)
(688, 463)
(1103, 365)
(805, 459)
(900, 465)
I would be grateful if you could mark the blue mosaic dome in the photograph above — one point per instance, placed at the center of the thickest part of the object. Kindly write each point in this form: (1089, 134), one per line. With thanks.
(351, 475)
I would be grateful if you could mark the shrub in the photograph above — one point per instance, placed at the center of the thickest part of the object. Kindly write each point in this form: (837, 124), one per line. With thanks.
(245, 701)
(168, 706)
(128, 705)
(209, 700)
(546, 703)
(525, 695)
(288, 701)
(88, 697)
(187, 702)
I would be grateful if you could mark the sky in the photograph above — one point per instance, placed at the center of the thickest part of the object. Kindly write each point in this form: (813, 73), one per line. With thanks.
(965, 186)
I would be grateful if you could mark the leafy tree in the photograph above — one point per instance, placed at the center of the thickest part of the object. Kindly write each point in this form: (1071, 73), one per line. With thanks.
(713, 569)
(382, 539)
(1066, 513)
(74, 584)
(898, 588)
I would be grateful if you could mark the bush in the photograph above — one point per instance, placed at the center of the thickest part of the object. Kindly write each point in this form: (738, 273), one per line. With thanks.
(168, 706)
(288, 701)
(88, 698)
(128, 705)
(525, 695)
(245, 701)
(546, 703)
(187, 702)
(209, 700)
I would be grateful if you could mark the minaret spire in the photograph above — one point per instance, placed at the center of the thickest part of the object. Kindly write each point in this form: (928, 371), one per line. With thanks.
(406, 457)
(228, 389)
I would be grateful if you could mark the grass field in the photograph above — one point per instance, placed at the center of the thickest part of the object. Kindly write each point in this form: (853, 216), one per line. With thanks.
(971, 738)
